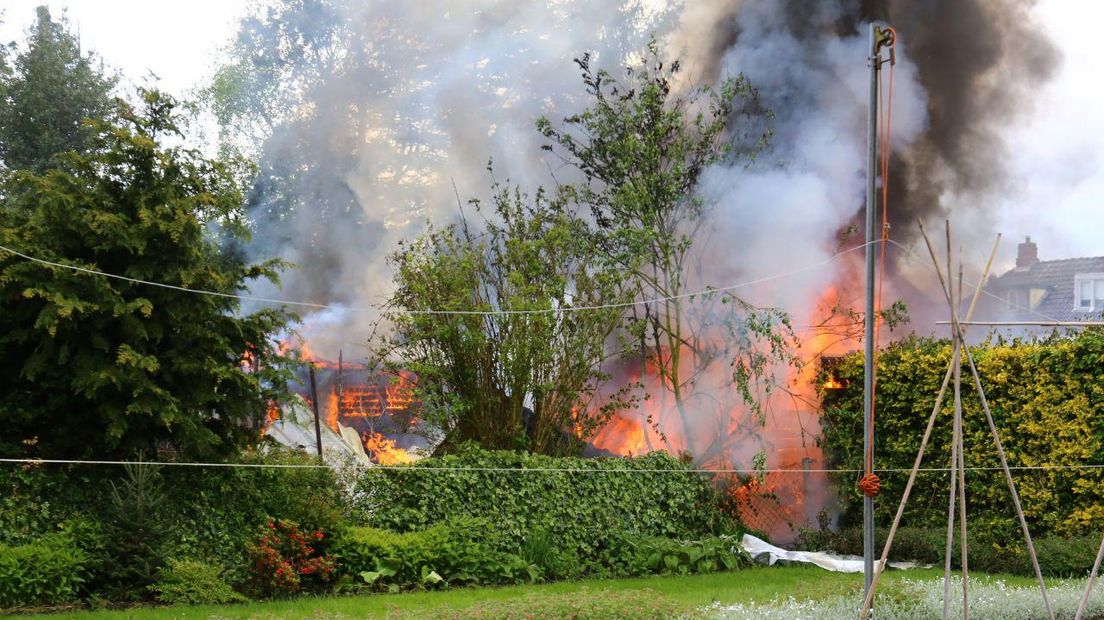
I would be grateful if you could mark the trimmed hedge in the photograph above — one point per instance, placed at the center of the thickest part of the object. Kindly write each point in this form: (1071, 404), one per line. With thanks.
(211, 513)
(1058, 556)
(584, 508)
(1047, 399)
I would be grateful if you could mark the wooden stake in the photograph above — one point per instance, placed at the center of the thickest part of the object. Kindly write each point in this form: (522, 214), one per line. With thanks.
(993, 430)
(1092, 581)
(881, 564)
(965, 547)
(317, 421)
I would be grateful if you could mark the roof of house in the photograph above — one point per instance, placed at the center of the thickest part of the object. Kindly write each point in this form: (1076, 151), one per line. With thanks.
(1056, 278)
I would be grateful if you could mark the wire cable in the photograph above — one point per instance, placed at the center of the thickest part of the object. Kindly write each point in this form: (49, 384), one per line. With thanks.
(577, 470)
(377, 309)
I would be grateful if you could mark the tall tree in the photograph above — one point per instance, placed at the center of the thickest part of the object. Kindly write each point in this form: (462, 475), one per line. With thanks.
(642, 145)
(109, 367)
(52, 89)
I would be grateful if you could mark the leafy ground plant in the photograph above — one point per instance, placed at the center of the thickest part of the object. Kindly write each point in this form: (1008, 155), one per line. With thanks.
(922, 600)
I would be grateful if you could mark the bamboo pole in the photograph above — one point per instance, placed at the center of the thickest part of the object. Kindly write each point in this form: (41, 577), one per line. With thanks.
(949, 548)
(881, 564)
(965, 547)
(993, 430)
(1092, 581)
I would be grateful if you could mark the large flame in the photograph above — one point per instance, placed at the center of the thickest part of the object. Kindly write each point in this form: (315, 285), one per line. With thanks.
(383, 450)
(782, 486)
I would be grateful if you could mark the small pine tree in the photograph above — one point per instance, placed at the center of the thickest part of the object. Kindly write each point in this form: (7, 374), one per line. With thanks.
(136, 536)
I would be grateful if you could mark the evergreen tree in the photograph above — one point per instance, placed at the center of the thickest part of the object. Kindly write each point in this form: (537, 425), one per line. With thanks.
(106, 367)
(51, 90)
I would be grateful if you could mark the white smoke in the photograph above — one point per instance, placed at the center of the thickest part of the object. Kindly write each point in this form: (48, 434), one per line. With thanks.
(786, 211)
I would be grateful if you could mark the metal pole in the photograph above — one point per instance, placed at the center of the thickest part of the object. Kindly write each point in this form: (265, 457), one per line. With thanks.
(317, 423)
(868, 371)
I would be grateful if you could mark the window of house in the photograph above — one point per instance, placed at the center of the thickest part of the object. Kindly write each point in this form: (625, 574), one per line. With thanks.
(1089, 292)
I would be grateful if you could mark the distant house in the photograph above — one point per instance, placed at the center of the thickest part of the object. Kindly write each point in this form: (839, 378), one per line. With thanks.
(1070, 289)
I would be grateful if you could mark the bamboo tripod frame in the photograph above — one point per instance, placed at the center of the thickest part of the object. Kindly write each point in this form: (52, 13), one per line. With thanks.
(958, 487)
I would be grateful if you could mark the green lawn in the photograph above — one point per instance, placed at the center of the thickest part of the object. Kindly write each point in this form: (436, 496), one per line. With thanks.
(750, 585)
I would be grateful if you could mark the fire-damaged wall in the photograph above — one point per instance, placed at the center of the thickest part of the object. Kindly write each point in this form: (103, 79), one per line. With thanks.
(379, 406)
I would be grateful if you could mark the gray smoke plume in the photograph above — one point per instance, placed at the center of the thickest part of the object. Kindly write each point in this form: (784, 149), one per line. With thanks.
(966, 70)
(363, 115)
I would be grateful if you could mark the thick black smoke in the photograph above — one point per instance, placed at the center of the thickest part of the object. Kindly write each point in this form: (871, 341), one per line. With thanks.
(362, 116)
(979, 63)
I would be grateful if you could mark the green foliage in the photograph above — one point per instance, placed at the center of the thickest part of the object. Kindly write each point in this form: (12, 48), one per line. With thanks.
(45, 101)
(210, 513)
(1047, 399)
(102, 367)
(642, 146)
(457, 552)
(585, 604)
(476, 374)
(193, 582)
(989, 552)
(667, 556)
(585, 508)
(135, 535)
(215, 512)
(48, 571)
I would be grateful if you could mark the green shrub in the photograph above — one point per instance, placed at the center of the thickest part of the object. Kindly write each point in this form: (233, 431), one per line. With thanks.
(192, 582)
(584, 604)
(666, 556)
(48, 571)
(215, 512)
(990, 552)
(584, 507)
(458, 552)
(1047, 399)
(135, 534)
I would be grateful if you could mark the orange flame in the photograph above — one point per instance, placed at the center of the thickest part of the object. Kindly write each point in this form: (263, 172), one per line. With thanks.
(383, 450)
(621, 436)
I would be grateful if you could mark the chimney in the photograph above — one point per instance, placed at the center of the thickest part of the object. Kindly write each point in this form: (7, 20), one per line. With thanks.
(1027, 253)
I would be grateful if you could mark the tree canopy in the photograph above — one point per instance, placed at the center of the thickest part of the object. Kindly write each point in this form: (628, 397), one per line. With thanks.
(109, 367)
(530, 266)
(47, 94)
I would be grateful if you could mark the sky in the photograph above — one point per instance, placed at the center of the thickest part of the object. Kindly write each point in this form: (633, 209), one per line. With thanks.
(1056, 152)
(176, 40)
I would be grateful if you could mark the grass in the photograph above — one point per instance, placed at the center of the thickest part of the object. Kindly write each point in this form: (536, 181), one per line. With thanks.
(749, 586)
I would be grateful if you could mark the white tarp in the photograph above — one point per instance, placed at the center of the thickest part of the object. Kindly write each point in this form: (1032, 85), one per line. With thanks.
(765, 553)
(295, 429)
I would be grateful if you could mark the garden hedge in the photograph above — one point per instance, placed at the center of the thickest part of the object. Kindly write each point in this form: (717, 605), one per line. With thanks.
(585, 505)
(1047, 398)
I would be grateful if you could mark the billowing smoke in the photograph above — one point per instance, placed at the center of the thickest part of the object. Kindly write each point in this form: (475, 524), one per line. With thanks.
(363, 117)
(369, 113)
(376, 117)
(965, 72)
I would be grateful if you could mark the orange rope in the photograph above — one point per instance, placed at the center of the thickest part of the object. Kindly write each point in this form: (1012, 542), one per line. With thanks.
(869, 483)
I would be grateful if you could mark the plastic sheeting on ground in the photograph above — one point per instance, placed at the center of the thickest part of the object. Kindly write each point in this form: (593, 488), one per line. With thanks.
(763, 552)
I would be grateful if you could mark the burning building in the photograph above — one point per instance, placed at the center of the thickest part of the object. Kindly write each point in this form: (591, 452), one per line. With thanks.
(376, 138)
